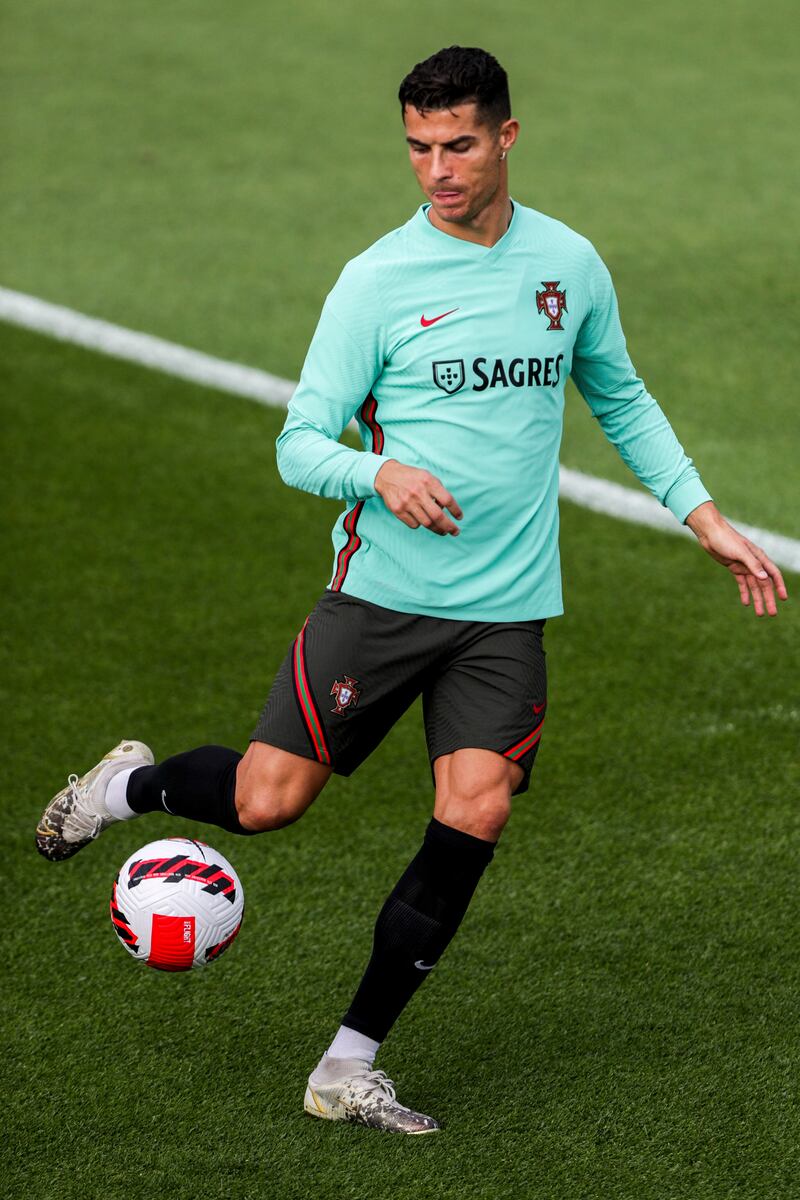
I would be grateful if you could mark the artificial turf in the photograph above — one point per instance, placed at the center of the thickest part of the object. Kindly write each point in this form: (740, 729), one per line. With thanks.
(617, 1016)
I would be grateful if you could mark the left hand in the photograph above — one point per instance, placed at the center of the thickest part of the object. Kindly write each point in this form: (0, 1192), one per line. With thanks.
(756, 575)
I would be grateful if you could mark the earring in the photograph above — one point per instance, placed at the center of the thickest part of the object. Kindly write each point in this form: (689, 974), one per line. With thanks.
(502, 156)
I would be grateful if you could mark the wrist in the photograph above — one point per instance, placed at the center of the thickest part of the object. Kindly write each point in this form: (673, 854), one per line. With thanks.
(704, 517)
(381, 472)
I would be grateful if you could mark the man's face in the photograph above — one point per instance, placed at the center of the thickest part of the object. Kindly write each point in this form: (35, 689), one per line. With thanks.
(456, 158)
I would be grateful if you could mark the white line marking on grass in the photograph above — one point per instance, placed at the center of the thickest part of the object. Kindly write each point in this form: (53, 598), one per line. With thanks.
(599, 495)
(143, 349)
(627, 504)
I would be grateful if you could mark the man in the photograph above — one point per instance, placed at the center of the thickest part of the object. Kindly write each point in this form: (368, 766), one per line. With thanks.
(450, 340)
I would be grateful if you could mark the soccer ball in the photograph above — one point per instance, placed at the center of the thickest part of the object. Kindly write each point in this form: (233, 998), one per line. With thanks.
(177, 904)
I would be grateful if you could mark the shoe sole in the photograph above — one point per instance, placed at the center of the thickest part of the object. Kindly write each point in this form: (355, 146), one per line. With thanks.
(312, 1109)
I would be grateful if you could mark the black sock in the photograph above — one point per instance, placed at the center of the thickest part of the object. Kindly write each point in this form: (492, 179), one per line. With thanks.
(199, 785)
(416, 925)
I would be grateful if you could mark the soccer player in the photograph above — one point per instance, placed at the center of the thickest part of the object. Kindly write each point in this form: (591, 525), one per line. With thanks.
(450, 341)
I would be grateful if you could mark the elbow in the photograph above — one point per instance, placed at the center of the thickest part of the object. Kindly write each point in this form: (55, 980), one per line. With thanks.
(625, 399)
(284, 459)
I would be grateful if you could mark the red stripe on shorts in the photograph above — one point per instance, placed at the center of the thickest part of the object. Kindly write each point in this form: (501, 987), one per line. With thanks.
(521, 748)
(304, 695)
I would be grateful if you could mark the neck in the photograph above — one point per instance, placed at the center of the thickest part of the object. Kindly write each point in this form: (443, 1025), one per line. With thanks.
(486, 227)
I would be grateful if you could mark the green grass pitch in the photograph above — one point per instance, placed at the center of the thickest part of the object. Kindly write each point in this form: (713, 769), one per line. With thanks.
(618, 1016)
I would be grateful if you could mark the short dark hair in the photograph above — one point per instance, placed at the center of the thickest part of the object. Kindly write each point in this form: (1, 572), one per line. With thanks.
(457, 75)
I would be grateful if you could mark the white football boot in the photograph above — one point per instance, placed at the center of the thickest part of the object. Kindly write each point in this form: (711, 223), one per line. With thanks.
(77, 815)
(365, 1097)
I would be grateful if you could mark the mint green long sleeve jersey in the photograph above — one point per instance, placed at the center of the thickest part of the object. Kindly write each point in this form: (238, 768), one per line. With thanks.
(453, 357)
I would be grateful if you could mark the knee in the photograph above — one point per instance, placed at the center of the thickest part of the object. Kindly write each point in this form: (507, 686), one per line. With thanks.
(473, 792)
(484, 816)
(482, 812)
(274, 788)
(261, 809)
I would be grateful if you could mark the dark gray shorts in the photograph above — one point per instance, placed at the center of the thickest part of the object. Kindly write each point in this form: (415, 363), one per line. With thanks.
(355, 667)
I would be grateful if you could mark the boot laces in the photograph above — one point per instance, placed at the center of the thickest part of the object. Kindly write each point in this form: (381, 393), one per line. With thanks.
(378, 1081)
(87, 824)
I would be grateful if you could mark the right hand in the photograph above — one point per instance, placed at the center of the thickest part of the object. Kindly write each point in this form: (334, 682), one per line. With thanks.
(417, 498)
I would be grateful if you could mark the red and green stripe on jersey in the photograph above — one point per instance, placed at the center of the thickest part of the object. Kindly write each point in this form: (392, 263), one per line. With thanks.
(368, 415)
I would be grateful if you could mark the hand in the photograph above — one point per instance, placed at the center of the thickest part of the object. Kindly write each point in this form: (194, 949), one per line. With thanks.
(755, 573)
(417, 498)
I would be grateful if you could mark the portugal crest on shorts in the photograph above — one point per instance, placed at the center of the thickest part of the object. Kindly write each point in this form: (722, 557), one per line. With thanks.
(346, 694)
(449, 376)
(552, 303)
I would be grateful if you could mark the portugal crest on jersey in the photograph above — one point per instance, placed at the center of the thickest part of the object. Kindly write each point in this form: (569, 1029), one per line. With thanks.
(552, 303)
(449, 376)
(346, 693)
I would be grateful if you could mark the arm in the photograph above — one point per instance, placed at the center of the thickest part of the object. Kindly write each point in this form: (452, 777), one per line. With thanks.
(628, 415)
(343, 361)
(633, 422)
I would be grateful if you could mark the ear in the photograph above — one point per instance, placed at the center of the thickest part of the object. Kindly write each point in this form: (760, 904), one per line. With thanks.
(507, 134)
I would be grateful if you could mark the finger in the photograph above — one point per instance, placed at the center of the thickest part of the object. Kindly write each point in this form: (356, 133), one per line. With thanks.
(445, 500)
(771, 568)
(768, 594)
(763, 594)
(425, 519)
(758, 599)
(750, 561)
(767, 586)
(436, 519)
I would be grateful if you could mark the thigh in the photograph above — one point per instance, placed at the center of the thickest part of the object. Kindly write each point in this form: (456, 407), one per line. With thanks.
(275, 787)
(351, 672)
(491, 694)
(474, 789)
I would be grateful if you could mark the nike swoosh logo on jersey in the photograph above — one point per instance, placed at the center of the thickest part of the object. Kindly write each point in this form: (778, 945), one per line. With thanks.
(425, 321)
(537, 708)
(421, 966)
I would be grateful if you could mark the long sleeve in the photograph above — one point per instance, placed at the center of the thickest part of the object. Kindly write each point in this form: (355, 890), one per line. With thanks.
(629, 416)
(343, 361)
